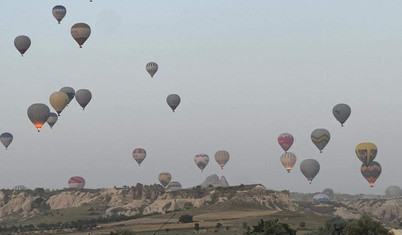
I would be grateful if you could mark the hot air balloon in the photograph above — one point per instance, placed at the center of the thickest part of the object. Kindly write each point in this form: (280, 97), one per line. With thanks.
(76, 182)
(52, 119)
(393, 191)
(341, 112)
(173, 186)
(6, 139)
(222, 157)
(139, 155)
(288, 160)
(366, 152)
(371, 172)
(309, 168)
(164, 178)
(38, 114)
(59, 12)
(152, 67)
(69, 91)
(173, 101)
(321, 197)
(320, 138)
(22, 43)
(285, 140)
(329, 192)
(59, 101)
(201, 160)
(80, 33)
(83, 96)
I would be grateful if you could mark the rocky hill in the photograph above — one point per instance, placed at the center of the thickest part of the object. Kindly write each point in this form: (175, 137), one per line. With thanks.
(17, 206)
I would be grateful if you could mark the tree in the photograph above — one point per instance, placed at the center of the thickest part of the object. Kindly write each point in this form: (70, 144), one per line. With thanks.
(218, 225)
(334, 226)
(271, 227)
(302, 224)
(197, 226)
(186, 218)
(365, 225)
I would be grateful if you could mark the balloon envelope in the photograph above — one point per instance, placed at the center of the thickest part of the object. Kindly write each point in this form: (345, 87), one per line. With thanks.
(371, 172)
(173, 185)
(173, 101)
(80, 33)
(366, 152)
(164, 178)
(152, 68)
(320, 138)
(309, 168)
(22, 43)
(341, 112)
(201, 160)
(222, 157)
(69, 91)
(285, 140)
(6, 138)
(83, 96)
(59, 101)
(76, 182)
(38, 114)
(59, 12)
(288, 160)
(52, 119)
(139, 155)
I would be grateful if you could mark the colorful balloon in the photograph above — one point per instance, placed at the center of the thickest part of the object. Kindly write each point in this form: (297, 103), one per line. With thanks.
(201, 160)
(173, 186)
(139, 155)
(164, 178)
(152, 68)
(310, 168)
(6, 138)
(320, 138)
(76, 182)
(285, 140)
(173, 101)
(59, 101)
(80, 33)
(22, 43)
(69, 91)
(59, 12)
(288, 160)
(83, 96)
(222, 157)
(52, 119)
(341, 112)
(371, 172)
(38, 114)
(366, 152)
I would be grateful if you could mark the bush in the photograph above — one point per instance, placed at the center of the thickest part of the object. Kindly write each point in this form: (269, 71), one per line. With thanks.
(186, 218)
(302, 224)
(197, 226)
(272, 227)
(218, 225)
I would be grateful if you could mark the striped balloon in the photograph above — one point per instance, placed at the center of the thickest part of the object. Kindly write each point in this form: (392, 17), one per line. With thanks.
(174, 185)
(6, 138)
(76, 182)
(320, 138)
(285, 140)
(139, 155)
(371, 172)
(366, 152)
(80, 32)
(201, 160)
(59, 12)
(288, 160)
(222, 157)
(152, 68)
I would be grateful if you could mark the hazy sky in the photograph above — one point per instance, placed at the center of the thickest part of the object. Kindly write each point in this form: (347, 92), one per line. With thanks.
(247, 71)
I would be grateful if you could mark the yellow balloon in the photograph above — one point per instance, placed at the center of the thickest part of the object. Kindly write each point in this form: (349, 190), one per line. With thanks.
(366, 152)
(59, 101)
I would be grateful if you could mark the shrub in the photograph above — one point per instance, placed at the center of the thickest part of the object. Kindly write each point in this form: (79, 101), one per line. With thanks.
(186, 218)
